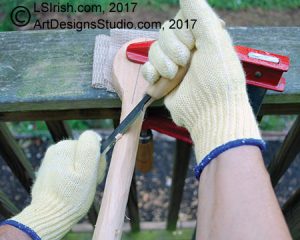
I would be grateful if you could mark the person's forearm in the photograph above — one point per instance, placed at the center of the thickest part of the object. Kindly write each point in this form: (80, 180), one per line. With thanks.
(11, 233)
(236, 199)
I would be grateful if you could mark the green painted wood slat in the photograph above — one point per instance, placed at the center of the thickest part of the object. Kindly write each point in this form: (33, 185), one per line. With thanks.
(181, 163)
(15, 158)
(291, 211)
(286, 154)
(7, 207)
(52, 70)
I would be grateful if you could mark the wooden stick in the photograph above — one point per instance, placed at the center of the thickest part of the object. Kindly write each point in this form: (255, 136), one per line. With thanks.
(131, 87)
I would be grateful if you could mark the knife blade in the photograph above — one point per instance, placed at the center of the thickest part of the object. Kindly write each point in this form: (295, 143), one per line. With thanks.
(125, 124)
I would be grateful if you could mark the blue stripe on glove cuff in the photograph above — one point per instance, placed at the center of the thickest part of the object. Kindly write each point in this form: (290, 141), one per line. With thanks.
(216, 152)
(21, 227)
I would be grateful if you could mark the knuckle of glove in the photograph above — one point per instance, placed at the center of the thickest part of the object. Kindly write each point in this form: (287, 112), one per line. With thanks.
(172, 49)
(90, 136)
(177, 51)
(184, 34)
(162, 63)
(88, 150)
(150, 73)
(89, 143)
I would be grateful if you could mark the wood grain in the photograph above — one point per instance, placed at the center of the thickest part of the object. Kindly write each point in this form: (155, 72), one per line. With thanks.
(59, 130)
(132, 206)
(15, 158)
(291, 211)
(180, 168)
(287, 153)
(52, 70)
(131, 87)
(7, 207)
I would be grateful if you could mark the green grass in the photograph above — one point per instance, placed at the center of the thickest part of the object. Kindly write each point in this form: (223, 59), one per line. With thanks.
(7, 6)
(145, 235)
(276, 123)
(39, 128)
(228, 4)
(265, 4)
(32, 128)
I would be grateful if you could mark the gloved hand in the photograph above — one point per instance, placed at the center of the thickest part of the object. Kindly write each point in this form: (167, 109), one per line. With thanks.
(65, 187)
(211, 102)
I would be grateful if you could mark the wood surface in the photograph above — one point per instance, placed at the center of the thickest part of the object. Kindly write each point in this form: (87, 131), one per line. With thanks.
(131, 87)
(52, 70)
(291, 211)
(59, 130)
(144, 158)
(15, 158)
(52, 115)
(287, 153)
(7, 207)
(132, 204)
(114, 113)
(181, 164)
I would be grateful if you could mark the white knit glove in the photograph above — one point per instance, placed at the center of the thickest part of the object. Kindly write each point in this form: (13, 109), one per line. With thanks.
(212, 101)
(65, 186)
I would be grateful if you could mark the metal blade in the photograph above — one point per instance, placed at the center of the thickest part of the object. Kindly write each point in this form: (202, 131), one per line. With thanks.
(125, 124)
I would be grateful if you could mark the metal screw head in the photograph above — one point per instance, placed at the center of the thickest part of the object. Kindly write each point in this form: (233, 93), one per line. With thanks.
(258, 74)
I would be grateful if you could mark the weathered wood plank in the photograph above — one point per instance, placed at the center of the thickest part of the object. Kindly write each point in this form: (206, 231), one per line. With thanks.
(256, 97)
(113, 113)
(291, 211)
(181, 163)
(15, 157)
(194, 234)
(280, 109)
(7, 208)
(43, 70)
(279, 40)
(93, 214)
(59, 130)
(52, 70)
(132, 206)
(287, 153)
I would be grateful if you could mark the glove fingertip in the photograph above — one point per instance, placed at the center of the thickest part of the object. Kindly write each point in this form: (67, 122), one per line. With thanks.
(88, 149)
(185, 34)
(89, 141)
(162, 63)
(90, 135)
(150, 73)
(203, 18)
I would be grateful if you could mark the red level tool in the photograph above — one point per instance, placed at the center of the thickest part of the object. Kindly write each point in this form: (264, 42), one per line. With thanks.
(262, 69)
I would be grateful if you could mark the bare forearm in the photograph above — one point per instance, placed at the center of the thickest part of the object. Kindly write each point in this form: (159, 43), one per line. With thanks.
(236, 199)
(11, 233)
